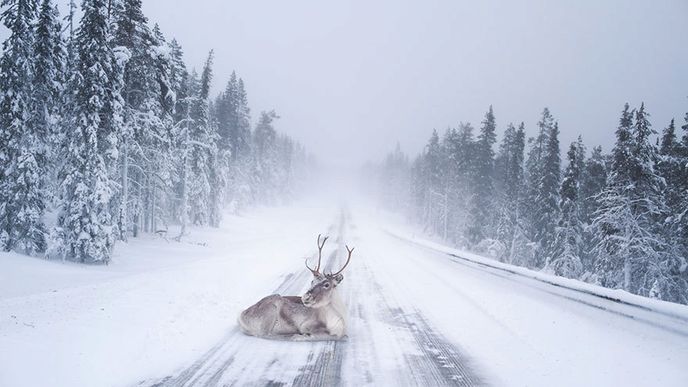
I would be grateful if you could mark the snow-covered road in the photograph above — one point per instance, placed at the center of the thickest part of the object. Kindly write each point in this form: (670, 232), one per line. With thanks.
(390, 342)
(417, 316)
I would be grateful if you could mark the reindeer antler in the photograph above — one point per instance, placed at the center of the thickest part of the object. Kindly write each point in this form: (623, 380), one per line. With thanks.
(320, 247)
(348, 259)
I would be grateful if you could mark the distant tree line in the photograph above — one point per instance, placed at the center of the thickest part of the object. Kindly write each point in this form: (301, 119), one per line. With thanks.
(103, 126)
(619, 220)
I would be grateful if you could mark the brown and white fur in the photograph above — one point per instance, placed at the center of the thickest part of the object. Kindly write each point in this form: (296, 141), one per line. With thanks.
(319, 314)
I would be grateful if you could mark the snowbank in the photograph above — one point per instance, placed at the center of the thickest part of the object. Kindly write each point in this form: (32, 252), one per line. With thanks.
(617, 295)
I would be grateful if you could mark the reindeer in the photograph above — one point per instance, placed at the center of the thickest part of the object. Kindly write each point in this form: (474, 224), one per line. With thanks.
(317, 315)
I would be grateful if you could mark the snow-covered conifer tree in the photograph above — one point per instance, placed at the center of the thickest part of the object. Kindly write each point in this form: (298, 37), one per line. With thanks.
(454, 187)
(70, 44)
(542, 193)
(264, 140)
(49, 71)
(509, 183)
(548, 198)
(436, 200)
(628, 245)
(234, 144)
(592, 183)
(85, 230)
(22, 135)
(202, 142)
(483, 188)
(568, 246)
(145, 136)
(673, 168)
(243, 131)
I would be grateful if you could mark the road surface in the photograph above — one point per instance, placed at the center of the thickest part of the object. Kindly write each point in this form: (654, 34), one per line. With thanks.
(389, 343)
(421, 317)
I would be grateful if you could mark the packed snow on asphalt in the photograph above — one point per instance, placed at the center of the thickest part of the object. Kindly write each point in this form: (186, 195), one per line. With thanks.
(163, 313)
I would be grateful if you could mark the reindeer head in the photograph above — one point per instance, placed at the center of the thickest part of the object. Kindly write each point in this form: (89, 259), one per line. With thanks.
(322, 285)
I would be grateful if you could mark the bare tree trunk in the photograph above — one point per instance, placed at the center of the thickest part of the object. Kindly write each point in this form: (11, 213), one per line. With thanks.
(446, 214)
(154, 226)
(122, 221)
(514, 233)
(185, 198)
(627, 274)
(185, 176)
(147, 205)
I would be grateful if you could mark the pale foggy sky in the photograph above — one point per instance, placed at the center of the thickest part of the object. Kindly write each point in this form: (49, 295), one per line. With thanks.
(350, 78)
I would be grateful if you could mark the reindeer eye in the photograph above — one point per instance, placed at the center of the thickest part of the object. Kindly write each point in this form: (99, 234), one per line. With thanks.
(327, 285)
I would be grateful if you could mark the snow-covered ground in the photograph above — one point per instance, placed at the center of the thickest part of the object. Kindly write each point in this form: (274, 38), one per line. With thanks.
(164, 313)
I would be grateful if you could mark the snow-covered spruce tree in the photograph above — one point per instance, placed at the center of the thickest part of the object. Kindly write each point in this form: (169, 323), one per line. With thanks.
(242, 138)
(241, 183)
(455, 179)
(593, 181)
(186, 91)
(48, 87)
(542, 192)
(446, 190)
(49, 61)
(630, 248)
(67, 116)
(549, 193)
(233, 124)
(435, 198)
(509, 190)
(610, 223)
(681, 217)
(223, 113)
(242, 180)
(163, 168)
(85, 230)
(447, 204)
(417, 189)
(226, 115)
(178, 80)
(483, 187)
(673, 168)
(144, 136)
(265, 155)
(218, 181)
(568, 243)
(532, 176)
(70, 45)
(202, 142)
(22, 142)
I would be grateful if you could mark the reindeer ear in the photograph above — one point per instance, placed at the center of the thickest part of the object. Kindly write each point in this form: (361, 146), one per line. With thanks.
(338, 278)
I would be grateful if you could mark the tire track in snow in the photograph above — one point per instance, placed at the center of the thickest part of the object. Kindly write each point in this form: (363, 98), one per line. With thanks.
(427, 357)
(327, 368)
(441, 362)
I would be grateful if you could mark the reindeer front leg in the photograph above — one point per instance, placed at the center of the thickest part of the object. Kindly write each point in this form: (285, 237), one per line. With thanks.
(316, 337)
(317, 332)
